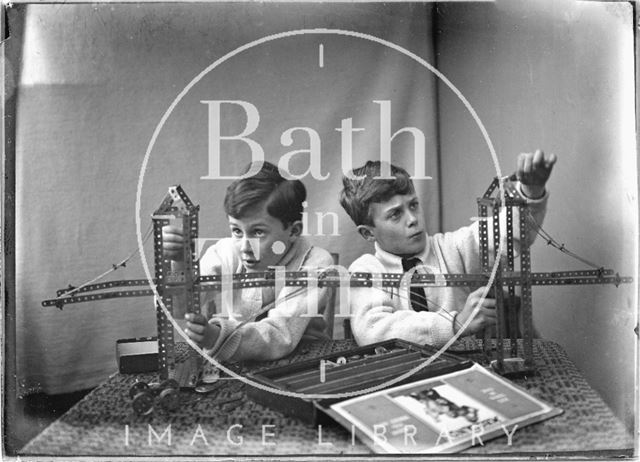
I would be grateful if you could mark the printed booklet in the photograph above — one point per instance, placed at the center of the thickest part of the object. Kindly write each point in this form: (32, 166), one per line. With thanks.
(441, 414)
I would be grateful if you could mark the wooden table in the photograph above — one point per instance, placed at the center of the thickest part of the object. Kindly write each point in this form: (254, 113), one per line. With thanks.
(103, 423)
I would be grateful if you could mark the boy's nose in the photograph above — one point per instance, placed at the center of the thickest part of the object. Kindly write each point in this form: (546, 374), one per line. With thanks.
(251, 246)
(412, 219)
(245, 245)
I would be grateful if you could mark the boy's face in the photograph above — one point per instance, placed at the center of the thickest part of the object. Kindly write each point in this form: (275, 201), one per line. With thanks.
(398, 225)
(262, 240)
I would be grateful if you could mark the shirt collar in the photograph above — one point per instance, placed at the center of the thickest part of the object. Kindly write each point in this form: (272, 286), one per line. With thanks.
(393, 263)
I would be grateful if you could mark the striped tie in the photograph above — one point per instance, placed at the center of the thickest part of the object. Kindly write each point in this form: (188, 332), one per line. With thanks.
(418, 297)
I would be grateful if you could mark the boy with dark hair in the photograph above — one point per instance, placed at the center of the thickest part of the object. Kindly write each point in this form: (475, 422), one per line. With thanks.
(387, 213)
(264, 213)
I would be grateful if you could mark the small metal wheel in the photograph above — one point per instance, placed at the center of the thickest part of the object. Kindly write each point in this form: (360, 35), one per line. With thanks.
(137, 387)
(169, 383)
(154, 387)
(169, 399)
(142, 403)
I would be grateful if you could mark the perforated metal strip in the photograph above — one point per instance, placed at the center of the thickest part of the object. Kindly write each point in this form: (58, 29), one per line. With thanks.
(188, 376)
(525, 295)
(492, 187)
(97, 296)
(361, 280)
(105, 285)
(497, 288)
(451, 279)
(166, 353)
(511, 290)
(484, 251)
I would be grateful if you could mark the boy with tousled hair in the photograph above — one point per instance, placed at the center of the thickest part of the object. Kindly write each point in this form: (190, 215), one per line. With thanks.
(264, 213)
(387, 213)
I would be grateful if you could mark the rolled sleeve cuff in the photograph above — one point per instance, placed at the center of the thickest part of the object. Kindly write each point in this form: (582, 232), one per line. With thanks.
(228, 340)
(529, 199)
(443, 330)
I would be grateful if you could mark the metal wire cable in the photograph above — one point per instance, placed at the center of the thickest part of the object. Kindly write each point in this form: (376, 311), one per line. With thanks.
(555, 244)
(113, 268)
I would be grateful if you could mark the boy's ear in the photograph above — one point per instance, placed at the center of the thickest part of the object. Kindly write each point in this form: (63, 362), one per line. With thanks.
(366, 231)
(295, 229)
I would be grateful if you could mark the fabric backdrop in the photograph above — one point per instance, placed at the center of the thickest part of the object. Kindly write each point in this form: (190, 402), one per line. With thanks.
(95, 80)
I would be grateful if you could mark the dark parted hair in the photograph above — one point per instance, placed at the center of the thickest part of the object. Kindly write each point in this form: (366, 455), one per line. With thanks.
(357, 195)
(282, 197)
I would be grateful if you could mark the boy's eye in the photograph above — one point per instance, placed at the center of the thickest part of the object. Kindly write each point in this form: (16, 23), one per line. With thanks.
(235, 232)
(414, 205)
(395, 215)
(259, 233)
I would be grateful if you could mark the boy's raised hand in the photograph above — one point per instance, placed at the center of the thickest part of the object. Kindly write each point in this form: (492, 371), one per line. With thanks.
(533, 171)
(485, 317)
(172, 242)
(200, 331)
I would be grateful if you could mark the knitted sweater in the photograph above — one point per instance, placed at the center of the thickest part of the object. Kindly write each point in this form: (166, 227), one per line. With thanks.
(287, 322)
(381, 314)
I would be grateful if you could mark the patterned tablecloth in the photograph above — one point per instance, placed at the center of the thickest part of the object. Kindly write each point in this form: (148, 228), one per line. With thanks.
(103, 423)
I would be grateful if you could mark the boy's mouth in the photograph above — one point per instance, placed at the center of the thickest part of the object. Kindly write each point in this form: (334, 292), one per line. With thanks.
(249, 263)
(249, 260)
(416, 235)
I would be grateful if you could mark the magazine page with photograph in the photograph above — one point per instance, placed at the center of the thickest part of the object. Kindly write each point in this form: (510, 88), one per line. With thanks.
(443, 414)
